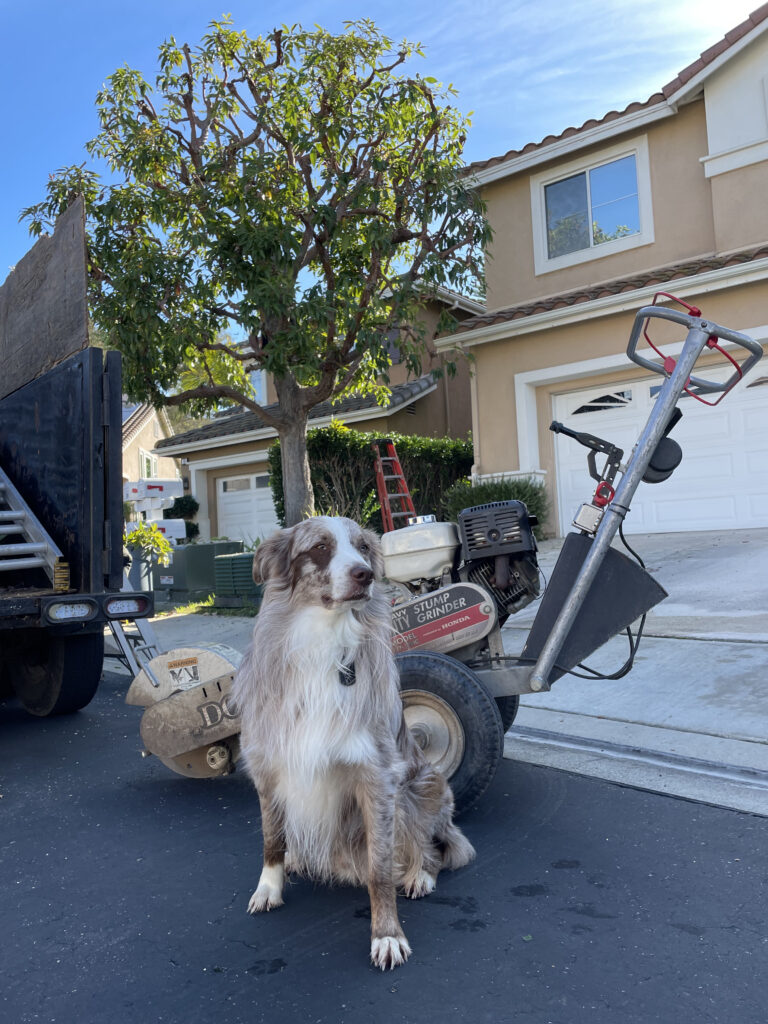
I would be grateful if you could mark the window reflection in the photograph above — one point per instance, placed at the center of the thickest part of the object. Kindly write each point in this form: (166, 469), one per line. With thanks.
(592, 207)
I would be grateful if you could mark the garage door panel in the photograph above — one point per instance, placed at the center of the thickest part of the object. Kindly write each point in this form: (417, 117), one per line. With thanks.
(245, 508)
(711, 513)
(720, 482)
(757, 464)
(702, 471)
(754, 421)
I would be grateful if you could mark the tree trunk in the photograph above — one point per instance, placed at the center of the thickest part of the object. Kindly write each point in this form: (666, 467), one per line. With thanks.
(297, 487)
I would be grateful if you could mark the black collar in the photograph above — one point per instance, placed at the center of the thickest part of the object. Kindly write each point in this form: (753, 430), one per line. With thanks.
(347, 676)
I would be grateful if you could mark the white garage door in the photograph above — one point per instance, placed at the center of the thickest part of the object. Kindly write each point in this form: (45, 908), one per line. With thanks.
(722, 481)
(245, 508)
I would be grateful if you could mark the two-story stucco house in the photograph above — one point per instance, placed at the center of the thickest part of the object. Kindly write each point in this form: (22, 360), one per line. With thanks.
(668, 195)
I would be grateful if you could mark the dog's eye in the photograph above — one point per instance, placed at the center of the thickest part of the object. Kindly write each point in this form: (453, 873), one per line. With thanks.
(364, 548)
(320, 546)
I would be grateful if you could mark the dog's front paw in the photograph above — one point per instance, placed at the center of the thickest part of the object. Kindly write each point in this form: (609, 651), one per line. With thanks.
(389, 952)
(269, 893)
(422, 885)
(265, 898)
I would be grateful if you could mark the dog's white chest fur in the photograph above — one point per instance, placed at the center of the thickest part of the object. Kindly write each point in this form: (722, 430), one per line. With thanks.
(319, 736)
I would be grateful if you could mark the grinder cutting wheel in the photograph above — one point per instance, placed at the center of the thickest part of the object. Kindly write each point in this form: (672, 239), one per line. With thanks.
(189, 723)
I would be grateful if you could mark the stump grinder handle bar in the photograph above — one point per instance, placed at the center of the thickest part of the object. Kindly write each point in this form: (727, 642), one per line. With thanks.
(710, 332)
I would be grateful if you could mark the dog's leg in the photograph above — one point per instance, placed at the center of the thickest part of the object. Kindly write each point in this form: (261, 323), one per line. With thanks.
(389, 946)
(269, 892)
(456, 848)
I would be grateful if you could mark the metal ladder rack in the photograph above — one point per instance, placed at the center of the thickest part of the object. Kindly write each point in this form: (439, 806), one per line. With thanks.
(387, 468)
(136, 648)
(35, 548)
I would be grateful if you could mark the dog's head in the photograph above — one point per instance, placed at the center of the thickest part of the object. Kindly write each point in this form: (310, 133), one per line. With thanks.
(326, 560)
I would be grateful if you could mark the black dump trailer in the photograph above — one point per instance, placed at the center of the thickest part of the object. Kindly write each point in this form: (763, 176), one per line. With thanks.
(61, 518)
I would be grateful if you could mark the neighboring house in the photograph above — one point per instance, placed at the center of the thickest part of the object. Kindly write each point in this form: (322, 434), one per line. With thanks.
(143, 428)
(224, 463)
(668, 195)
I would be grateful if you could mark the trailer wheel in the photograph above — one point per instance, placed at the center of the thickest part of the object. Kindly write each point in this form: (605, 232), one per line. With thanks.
(508, 709)
(454, 720)
(58, 674)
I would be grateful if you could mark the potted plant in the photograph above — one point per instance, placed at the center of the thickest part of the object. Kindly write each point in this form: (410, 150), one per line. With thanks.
(147, 546)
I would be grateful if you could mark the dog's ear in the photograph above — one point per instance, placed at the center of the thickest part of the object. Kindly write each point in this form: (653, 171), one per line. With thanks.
(376, 557)
(273, 557)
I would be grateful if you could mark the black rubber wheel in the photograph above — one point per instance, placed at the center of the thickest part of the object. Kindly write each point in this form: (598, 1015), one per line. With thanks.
(58, 674)
(6, 689)
(455, 721)
(508, 709)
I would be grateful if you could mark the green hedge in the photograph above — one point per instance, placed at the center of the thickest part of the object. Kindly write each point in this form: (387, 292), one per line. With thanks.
(343, 481)
(464, 494)
(185, 507)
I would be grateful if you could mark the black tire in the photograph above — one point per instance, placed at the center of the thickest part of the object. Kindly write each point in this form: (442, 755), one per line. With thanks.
(441, 695)
(58, 674)
(508, 709)
(6, 689)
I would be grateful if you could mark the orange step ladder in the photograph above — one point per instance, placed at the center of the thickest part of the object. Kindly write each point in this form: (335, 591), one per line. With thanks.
(389, 473)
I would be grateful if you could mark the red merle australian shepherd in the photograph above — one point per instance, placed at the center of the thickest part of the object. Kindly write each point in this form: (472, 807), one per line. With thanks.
(346, 795)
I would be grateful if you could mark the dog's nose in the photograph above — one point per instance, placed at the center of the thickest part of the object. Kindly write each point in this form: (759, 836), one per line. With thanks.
(361, 574)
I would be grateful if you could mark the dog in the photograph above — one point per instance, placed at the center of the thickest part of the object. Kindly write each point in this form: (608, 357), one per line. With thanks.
(346, 794)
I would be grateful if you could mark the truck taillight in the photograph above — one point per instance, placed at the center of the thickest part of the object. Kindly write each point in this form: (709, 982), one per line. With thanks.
(125, 607)
(71, 611)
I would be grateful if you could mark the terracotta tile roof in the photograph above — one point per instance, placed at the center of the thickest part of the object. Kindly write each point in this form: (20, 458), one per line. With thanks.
(656, 276)
(246, 422)
(684, 76)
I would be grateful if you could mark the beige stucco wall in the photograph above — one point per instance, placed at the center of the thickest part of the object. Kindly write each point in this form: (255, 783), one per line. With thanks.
(146, 439)
(740, 204)
(682, 217)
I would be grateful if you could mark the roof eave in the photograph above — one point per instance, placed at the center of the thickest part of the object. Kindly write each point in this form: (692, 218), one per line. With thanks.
(620, 302)
(692, 88)
(573, 143)
(354, 416)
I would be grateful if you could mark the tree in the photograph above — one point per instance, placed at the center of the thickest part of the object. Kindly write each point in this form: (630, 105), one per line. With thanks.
(298, 190)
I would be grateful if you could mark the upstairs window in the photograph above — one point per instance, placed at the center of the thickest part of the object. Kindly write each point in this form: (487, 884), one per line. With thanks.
(147, 465)
(592, 208)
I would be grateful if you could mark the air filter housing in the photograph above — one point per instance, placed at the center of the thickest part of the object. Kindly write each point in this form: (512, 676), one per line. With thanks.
(498, 528)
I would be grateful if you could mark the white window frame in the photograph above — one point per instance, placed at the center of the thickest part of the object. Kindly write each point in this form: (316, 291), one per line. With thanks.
(639, 149)
(145, 457)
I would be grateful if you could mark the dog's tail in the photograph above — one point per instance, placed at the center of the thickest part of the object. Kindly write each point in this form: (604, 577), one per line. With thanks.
(455, 848)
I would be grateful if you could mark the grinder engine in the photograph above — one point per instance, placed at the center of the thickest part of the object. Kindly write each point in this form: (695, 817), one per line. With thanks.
(498, 552)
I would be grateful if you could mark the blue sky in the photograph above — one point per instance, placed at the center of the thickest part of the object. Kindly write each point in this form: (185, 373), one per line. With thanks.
(525, 68)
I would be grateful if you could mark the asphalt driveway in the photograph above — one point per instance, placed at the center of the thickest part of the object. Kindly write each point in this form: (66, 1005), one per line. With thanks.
(125, 887)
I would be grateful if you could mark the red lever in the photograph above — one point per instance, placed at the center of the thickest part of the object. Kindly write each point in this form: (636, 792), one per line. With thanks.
(603, 494)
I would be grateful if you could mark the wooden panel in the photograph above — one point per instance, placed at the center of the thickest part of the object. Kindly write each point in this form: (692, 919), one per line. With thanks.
(44, 304)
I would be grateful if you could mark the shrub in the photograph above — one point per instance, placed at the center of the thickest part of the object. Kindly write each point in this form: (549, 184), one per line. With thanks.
(145, 538)
(343, 480)
(185, 507)
(465, 494)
